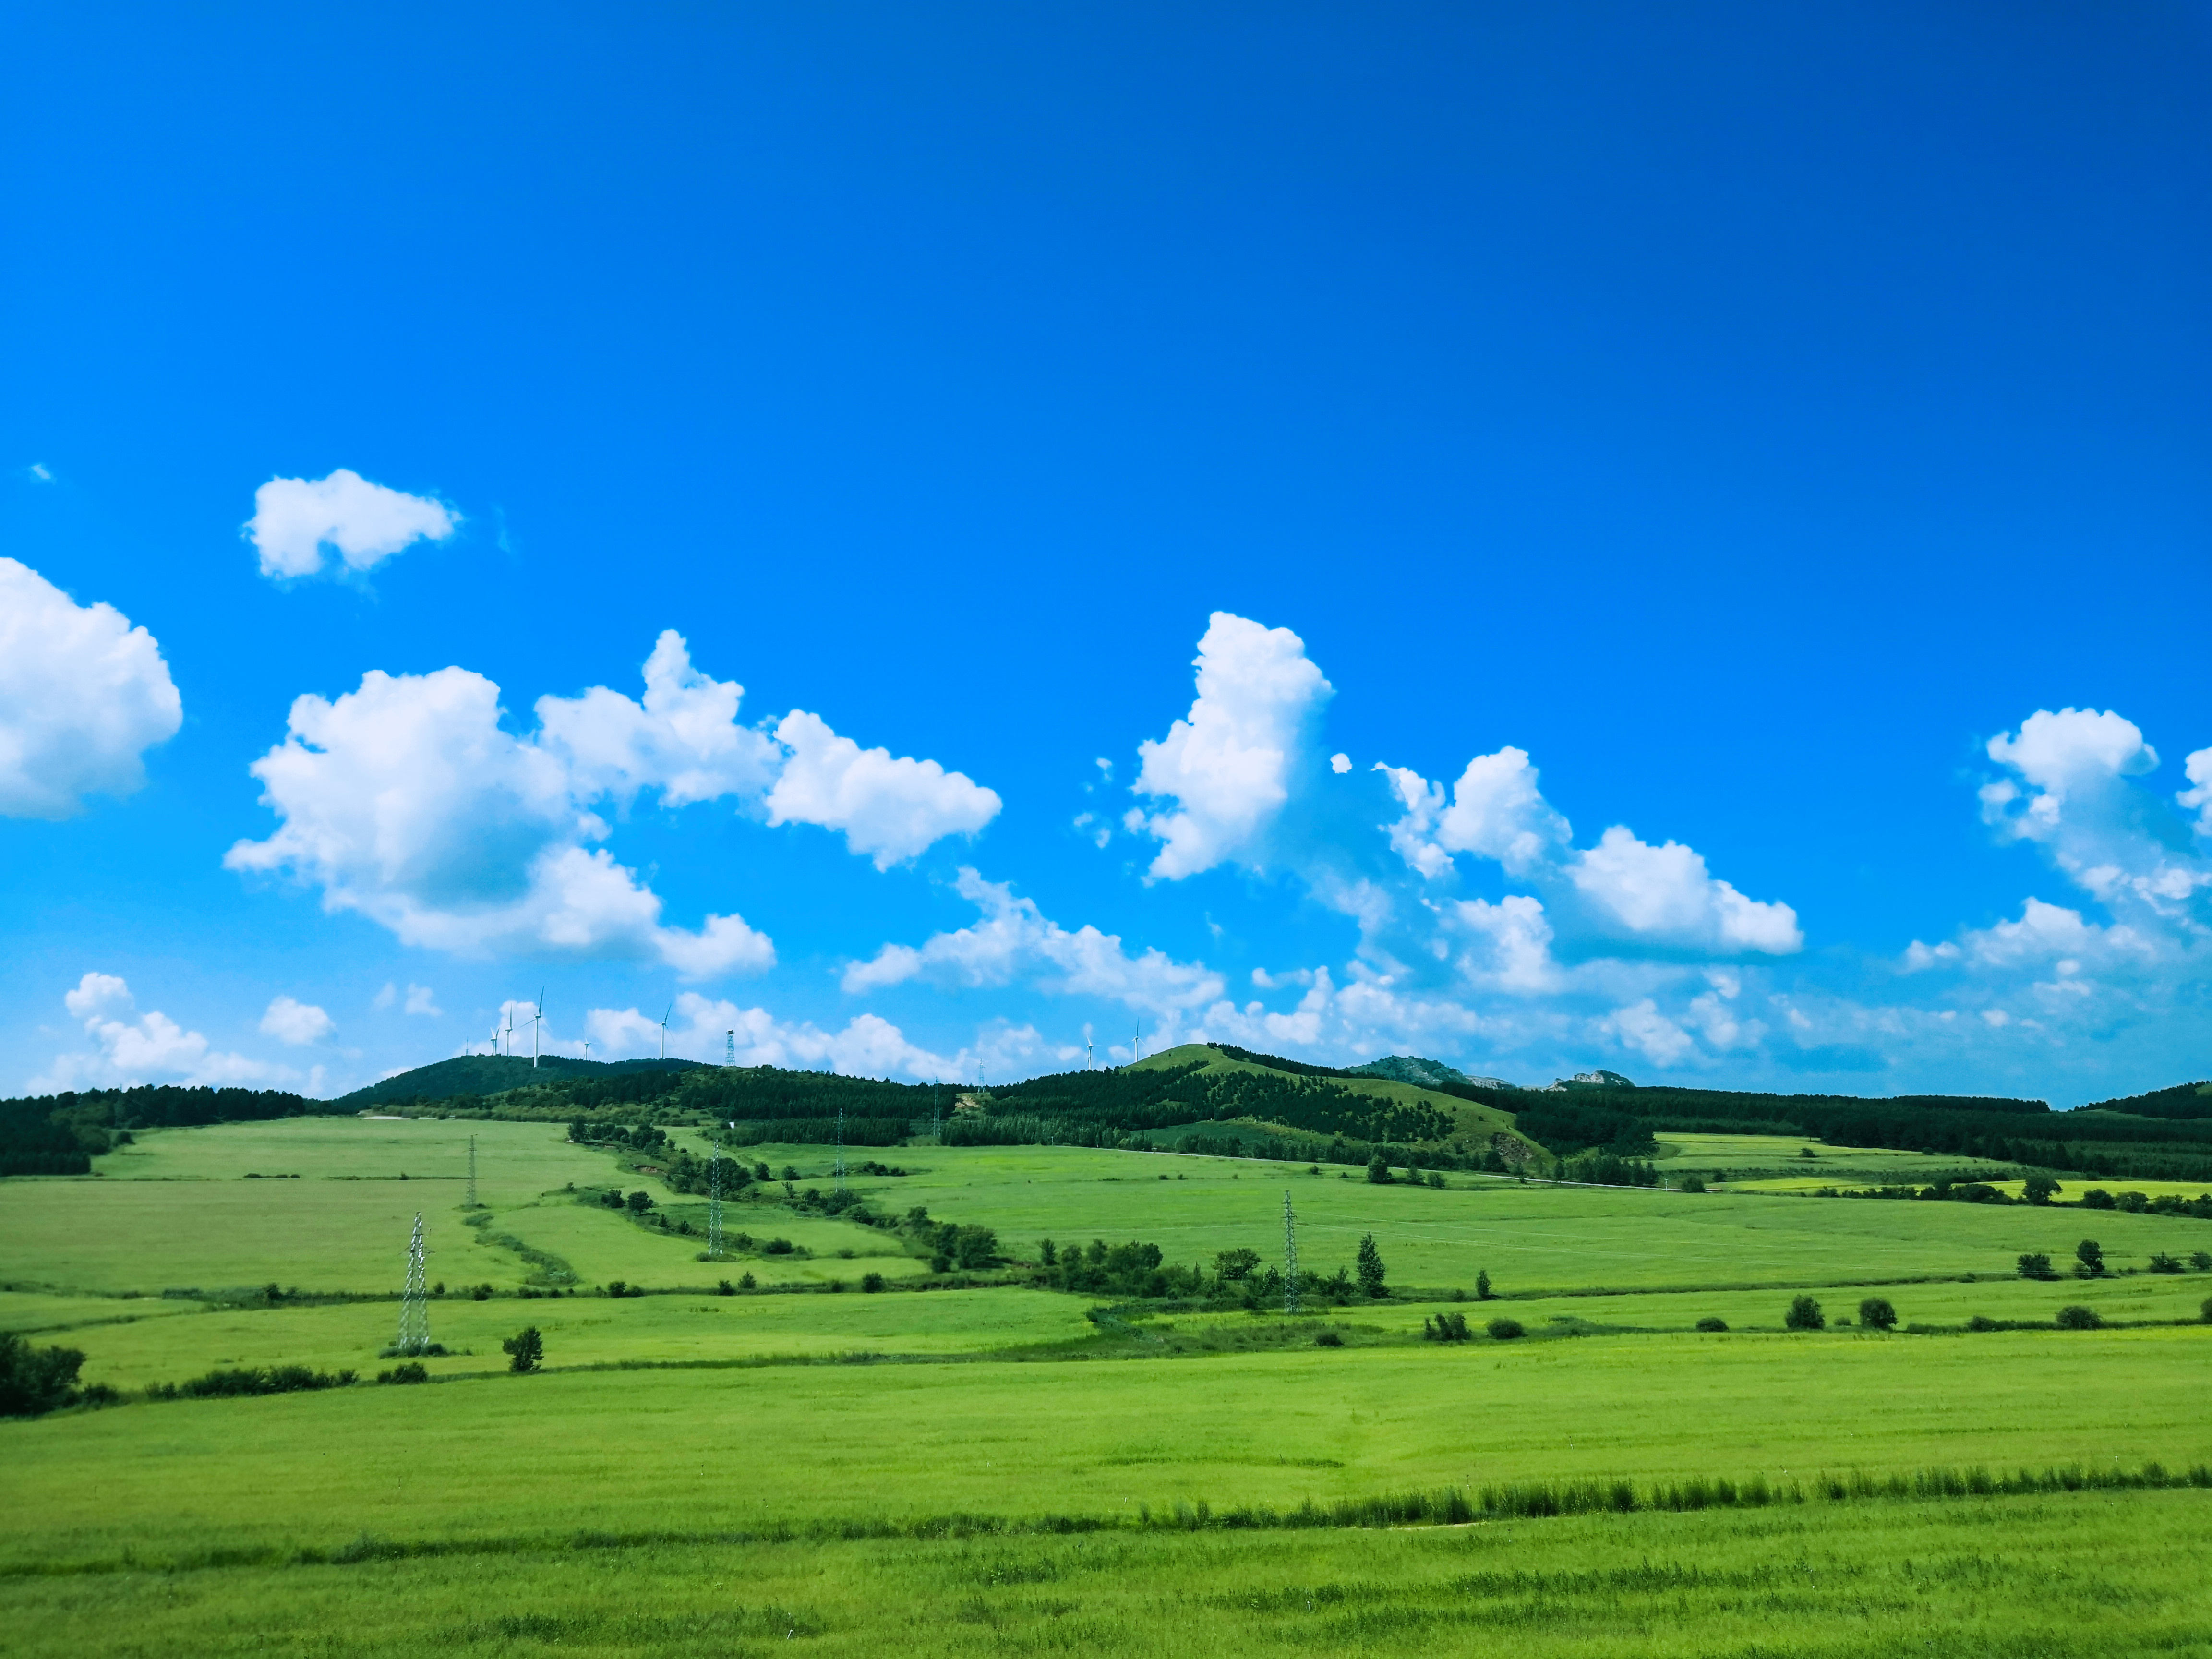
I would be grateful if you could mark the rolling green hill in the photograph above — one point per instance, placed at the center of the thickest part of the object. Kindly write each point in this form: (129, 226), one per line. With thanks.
(491, 1074)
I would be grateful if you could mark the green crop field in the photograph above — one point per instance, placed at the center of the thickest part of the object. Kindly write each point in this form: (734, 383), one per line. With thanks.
(964, 1462)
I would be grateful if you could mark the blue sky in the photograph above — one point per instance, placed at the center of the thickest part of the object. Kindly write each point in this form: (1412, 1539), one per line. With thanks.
(1730, 485)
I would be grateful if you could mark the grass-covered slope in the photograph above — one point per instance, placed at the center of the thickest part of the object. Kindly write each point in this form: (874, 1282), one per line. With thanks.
(491, 1074)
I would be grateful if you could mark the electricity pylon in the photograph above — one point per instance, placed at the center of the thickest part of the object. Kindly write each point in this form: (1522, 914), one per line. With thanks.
(415, 1301)
(1290, 1256)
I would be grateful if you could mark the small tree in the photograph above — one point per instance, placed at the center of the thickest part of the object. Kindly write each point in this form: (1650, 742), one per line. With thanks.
(1234, 1265)
(1805, 1315)
(1482, 1286)
(1692, 1183)
(2040, 1189)
(2091, 1256)
(2160, 1262)
(35, 1380)
(2036, 1265)
(640, 1203)
(526, 1349)
(1370, 1267)
(2076, 1317)
(1877, 1314)
(1379, 1172)
(2200, 1260)
(1504, 1330)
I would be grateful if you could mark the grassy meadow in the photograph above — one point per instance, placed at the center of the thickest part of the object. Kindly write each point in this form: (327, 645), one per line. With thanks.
(697, 1472)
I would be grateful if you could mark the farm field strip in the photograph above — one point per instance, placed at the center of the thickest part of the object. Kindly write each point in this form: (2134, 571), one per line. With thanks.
(2132, 1569)
(622, 1451)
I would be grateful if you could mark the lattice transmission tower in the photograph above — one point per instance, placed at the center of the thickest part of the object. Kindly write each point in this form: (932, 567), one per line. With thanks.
(1290, 1256)
(415, 1301)
(730, 1048)
(714, 1200)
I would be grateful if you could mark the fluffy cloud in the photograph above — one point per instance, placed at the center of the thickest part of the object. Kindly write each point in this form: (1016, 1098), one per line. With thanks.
(294, 519)
(1015, 940)
(296, 1022)
(866, 1046)
(2070, 794)
(2198, 798)
(1666, 893)
(683, 739)
(84, 695)
(1226, 765)
(409, 802)
(152, 1049)
(890, 809)
(421, 999)
(1662, 896)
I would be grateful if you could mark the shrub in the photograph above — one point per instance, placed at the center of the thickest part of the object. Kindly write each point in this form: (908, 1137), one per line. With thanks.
(746, 1281)
(1331, 1340)
(2076, 1317)
(2096, 1199)
(1805, 1315)
(1505, 1330)
(1877, 1314)
(726, 1288)
(1981, 1322)
(618, 1287)
(1712, 1322)
(251, 1380)
(2133, 1203)
(1694, 1183)
(940, 1263)
(1482, 1291)
(871, 1282)
(525, 1350)
(2091, 1259)
(2036, 1265)
(1435, 1178)
(776, 1247)
(412, 1371)
(1379, 1172)
(2160, 1262)
(1445, 1327)
(35, 1380)
(2205, 1312)
(2200, 1260)
(482, 1293)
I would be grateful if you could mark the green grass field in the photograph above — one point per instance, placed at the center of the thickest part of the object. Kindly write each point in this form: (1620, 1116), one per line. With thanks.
(779, 1421)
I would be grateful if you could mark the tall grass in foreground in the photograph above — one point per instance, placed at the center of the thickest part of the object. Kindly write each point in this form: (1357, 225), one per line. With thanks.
(1447, 1507)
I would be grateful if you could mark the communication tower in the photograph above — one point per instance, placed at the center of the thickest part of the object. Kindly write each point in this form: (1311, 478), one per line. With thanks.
(415, 1302)
(1290, 1256)
(730, 1046)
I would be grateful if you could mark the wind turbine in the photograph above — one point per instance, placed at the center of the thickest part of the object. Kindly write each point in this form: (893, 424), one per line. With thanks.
(509, 1033)
(587, 1051)
(664, 1030)
(536, 1019)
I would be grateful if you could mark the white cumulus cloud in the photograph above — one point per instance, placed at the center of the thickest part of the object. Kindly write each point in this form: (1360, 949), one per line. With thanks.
(296, 1022)
(294, 519)
(151, 1048)
(1015, 940)
(867, 1045)
(408, 801)
(84, 695)
(1226, 765)
(1666, 893)
(890, 808)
